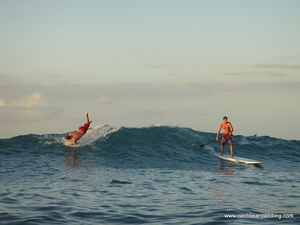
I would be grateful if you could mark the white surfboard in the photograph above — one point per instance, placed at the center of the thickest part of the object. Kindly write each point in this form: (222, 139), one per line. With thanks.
(235, 159)
(92, 135)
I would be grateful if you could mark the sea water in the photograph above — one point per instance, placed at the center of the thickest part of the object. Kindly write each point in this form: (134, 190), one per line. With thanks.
(153, 175)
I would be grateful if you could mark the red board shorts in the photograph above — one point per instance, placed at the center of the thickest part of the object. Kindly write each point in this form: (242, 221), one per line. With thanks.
(226, 138)
(84, 128)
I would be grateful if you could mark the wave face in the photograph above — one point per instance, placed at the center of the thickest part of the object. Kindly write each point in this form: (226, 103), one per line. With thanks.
(153, 175)
(161, 147)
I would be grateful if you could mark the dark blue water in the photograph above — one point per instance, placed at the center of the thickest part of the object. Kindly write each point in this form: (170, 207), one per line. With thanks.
(156, 175)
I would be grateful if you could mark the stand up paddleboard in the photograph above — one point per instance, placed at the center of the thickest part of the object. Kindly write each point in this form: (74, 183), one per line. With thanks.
(235, 159)
(238, 159)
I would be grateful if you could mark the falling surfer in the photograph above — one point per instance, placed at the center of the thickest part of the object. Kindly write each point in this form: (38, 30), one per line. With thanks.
(74, 136)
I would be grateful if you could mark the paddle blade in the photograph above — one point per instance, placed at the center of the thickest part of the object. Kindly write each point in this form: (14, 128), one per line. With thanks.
(202, 146)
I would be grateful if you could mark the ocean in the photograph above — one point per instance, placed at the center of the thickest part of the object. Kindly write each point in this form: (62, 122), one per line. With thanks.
(150, 175)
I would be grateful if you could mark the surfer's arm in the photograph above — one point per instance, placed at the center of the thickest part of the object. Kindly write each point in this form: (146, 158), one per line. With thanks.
(231, 128)
(218, 132)
(87, 119)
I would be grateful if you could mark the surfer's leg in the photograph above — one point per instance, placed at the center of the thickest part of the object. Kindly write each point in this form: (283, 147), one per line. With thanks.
(230, 142)
(231, 150)
(222, 149)
(223, 141)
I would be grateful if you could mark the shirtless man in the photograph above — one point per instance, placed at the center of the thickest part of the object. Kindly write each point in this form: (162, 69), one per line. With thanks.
(76, 135)
(226, 136)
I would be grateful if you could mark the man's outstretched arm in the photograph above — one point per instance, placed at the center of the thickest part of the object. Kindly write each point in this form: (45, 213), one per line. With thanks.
(87, 119)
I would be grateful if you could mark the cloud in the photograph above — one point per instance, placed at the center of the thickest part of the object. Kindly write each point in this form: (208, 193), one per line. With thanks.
(265, 86)
(104, 100)
(29, 101)
(173, 75)
(36, 107)
(266, 70)
(12, 115)
(171, 112)
(253, 73)
(115, 92)
(26, 109)
(64, 96)
(2, 102)
(155, 66)
(278, 66)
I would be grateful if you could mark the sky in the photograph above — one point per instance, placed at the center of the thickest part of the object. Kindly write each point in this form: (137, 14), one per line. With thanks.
(138, 63)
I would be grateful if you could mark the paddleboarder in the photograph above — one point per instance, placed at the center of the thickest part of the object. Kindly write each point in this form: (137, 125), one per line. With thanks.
(227, 128)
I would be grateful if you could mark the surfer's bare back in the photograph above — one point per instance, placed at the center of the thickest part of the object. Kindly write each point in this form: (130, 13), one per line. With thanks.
(76, 135)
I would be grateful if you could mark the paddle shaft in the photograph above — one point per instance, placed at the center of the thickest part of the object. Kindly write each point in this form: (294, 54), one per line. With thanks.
(201, 146)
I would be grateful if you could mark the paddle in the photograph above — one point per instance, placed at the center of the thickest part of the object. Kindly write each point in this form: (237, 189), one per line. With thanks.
(201, 146)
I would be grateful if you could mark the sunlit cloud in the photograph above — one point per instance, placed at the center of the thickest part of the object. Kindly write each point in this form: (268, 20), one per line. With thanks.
(11, 115)
(2, 102)
(29, 101)
(25, 108)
